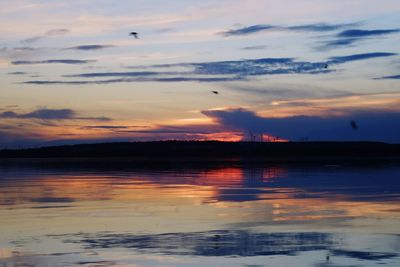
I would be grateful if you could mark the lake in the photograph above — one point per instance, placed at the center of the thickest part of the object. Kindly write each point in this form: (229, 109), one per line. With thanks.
(73, 214)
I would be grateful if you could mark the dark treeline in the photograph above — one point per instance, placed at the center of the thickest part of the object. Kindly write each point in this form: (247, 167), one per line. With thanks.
(171, 150)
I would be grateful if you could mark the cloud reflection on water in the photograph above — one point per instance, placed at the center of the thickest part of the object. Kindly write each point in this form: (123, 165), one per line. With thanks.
(203, 211)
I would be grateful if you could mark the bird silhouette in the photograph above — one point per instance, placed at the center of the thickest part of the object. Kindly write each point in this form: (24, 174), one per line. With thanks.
(354, 125)
(326, 66)
(215, 92)
(134, 34)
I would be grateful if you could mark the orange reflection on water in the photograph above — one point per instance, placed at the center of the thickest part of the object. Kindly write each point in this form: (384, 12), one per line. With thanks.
(222, 176)
(232, 193)
(203, 184)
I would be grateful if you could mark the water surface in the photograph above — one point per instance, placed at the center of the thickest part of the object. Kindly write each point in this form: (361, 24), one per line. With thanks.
(203, 215)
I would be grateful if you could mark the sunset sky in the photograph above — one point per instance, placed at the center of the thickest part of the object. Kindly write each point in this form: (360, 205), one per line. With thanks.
(292, 69)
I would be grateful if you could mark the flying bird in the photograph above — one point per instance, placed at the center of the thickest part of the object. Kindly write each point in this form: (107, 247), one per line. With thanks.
(326, 66)
(215, 92)
(354, 125)
(134, 34)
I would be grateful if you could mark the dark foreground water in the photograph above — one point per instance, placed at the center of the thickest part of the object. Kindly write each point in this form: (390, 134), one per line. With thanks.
(222, 215)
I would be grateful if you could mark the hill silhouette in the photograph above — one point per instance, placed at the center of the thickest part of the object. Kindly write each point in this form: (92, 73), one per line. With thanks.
(208, 150)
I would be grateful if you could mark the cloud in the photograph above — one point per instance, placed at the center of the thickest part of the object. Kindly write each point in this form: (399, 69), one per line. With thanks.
(49, 114)
(186, 129)
(261, 66)
(338, 43)
(139, 79)
(373, 125)
(89, 47)
(53, 32)
(249, 30)
(52, 200)
(254, 47)
(320, 27)
(32, 39)
(395, 77)
(298, 91)
(355, 33)
(108, 127)
(119, 74)
(316, 27)
(18, 73)
(216, 71)
(351, 36)
(356, 57)
(52, 61)
(252, 67)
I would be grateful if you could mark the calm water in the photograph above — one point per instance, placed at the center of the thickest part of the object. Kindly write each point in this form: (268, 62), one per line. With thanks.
(270, 215)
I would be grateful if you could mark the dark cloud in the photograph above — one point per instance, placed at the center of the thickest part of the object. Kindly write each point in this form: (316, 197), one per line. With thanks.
(316, 27)
(373, 125)
(320, 27)
(250, 67)
(262, 66)
(120, 74)
(266, 66)
(239, 68)
(356, 57)
(192, 79)
(40, 114)
(49, 114)
(355, 33)
(216, 71)
(18, 73)
(139, 79)
(249, 30)
(351, 36)
(107, 127)
(52, 61)
(97, 263)
(45, 82)
(89, 47)
(395, 77)
(338, 43)
(52, 200)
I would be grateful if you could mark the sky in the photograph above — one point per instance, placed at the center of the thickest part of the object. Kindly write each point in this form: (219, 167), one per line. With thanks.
(297, 70)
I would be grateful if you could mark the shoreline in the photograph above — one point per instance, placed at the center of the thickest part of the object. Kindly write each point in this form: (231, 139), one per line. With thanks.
(208, 151)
